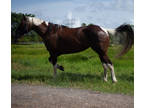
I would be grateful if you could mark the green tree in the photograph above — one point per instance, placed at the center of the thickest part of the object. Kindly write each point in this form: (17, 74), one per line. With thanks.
(83, 24)
(90, 24)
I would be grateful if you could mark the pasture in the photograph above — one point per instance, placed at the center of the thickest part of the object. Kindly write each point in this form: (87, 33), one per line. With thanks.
(29, 64)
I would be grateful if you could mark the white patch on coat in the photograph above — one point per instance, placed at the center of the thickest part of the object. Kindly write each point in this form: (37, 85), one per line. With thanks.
(104, 30)
(47, 23)
(102, 33)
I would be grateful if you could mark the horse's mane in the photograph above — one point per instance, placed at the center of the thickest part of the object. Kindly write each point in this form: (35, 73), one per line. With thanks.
(55, 27)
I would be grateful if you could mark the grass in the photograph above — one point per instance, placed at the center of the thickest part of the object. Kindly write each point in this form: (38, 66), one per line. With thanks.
(82, 70)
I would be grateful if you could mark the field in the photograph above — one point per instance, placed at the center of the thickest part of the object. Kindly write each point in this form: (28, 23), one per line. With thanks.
(82, 70)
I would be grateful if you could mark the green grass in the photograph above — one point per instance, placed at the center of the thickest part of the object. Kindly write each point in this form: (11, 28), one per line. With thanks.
(82, 70)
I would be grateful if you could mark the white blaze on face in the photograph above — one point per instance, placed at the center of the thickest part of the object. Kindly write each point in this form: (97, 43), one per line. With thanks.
(35, 21)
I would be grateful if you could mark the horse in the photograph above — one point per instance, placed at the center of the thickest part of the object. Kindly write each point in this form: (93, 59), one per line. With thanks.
(60, 39)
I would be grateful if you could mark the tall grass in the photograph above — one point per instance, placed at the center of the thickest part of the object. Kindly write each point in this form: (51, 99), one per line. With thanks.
(82, 70)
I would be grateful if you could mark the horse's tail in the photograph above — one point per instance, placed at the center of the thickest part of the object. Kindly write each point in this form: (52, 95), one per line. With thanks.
(126, 34)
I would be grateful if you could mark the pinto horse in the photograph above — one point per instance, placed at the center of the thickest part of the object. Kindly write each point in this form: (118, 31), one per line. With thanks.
(60, 39)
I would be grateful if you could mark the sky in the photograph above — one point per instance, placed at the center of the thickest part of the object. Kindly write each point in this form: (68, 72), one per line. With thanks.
(105, 13)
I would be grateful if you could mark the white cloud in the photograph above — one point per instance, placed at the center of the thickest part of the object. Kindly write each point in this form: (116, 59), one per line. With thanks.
(71, 20)
(69, 15)
(106, 13)
(77, 23)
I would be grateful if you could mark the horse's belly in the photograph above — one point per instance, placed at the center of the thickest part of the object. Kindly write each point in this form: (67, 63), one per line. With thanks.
(72, 47)
(69, 51)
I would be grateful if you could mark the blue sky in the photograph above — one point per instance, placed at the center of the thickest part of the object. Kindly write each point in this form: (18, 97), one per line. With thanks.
(106, 13)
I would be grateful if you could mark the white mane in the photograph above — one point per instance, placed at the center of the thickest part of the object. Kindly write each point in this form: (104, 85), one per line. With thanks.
(36, 21)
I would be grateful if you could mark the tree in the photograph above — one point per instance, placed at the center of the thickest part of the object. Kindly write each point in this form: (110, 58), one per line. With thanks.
(90, 24)
(15, 20)
(83, 24)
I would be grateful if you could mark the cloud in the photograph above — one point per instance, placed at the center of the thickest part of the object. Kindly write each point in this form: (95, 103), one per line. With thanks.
(109, 13)
(77, 22)
(81, 8)
(69, 15)
(71, 21)
(113, 5)
(106, 13)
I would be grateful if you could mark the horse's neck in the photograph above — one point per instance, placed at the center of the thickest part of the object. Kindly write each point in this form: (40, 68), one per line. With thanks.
(41, 29)
(38, 25)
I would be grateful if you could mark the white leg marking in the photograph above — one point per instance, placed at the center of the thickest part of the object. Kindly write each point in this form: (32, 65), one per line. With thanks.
(55, 67)
(105, 71)
(112, 72)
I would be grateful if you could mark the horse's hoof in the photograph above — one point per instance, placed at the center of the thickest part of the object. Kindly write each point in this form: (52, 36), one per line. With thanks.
(114, 81)
(61, 68)
(105, 80)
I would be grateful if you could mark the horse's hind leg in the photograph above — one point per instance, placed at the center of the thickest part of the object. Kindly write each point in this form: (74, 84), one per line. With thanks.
(111, 67)
(106, 62)
(105, 71)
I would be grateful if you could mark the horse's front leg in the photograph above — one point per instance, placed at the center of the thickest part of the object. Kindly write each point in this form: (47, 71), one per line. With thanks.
(60, 67)
(57, 66)
(53, 60)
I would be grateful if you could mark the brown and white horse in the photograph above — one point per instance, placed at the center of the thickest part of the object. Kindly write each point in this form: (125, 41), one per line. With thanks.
(60, 39)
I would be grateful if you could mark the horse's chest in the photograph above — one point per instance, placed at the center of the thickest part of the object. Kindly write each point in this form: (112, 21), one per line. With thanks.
(50, 43)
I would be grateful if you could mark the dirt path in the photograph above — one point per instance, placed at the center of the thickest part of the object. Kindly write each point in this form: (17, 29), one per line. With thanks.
(27, 96)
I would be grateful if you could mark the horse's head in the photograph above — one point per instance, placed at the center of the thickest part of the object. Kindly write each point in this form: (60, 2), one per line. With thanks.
(23, 28)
